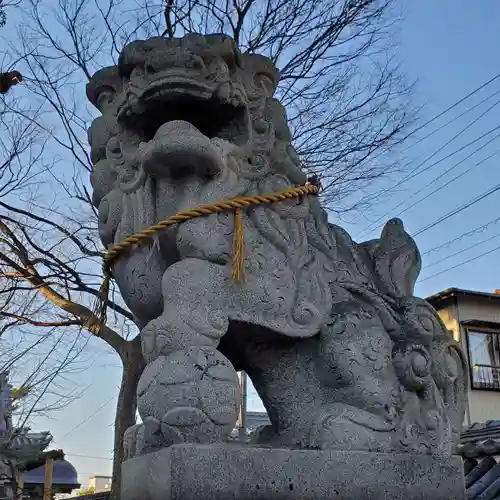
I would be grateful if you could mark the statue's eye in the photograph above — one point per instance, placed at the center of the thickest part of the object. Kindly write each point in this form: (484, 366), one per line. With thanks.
(217, 67)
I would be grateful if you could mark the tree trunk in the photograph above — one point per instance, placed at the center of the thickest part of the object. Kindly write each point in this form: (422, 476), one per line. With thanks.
(133, 365)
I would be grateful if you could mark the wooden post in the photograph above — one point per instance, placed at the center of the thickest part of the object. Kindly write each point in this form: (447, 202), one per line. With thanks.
(47, 482)
(20, 486)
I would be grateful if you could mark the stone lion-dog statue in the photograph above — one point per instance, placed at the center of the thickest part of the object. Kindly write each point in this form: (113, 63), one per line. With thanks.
(338, 348)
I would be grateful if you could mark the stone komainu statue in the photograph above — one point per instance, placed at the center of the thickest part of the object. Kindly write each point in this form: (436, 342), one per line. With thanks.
(340, 351)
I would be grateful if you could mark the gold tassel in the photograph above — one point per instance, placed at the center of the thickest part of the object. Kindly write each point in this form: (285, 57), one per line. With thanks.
(238, 268)
(100, 308)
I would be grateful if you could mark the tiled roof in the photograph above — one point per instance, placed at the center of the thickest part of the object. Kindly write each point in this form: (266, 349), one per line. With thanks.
(480, 439)
(454, 292)
(482, 479)
(478, 443)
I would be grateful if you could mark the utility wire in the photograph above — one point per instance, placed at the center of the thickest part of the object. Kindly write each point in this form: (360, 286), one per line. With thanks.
(468, 110)
(461, 264)
(412, 174)
(435, 131)
(451, 180)
(86, 419)
(454, 105)
(470, 247)
(458, 210)
(430, 183)
(454, 119)
(451, 168)
(415, 172)
(463, 235)
(461, 174)
(378, 193)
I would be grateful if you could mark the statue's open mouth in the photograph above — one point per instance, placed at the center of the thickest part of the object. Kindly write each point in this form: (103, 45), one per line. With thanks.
(216, 111)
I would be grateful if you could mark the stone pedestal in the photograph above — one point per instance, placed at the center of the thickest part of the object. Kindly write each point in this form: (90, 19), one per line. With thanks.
(238, 472)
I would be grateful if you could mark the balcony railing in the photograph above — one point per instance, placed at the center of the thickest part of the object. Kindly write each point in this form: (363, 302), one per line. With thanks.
(486, 376)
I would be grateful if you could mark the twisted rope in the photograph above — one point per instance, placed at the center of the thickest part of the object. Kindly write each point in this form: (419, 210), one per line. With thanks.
(232, 205)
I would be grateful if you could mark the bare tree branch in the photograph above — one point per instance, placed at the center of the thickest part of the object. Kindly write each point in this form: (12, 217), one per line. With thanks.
(168, 19)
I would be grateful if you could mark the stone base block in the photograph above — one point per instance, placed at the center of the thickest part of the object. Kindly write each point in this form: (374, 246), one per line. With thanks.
(238, 472)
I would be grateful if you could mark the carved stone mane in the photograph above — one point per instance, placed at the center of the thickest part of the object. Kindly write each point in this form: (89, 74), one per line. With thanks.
(338, 348)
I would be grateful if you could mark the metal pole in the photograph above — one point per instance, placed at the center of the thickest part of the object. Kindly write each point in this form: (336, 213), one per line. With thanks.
(242, 419)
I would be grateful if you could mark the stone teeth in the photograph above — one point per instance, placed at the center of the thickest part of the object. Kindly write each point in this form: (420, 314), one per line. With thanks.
(238, 99)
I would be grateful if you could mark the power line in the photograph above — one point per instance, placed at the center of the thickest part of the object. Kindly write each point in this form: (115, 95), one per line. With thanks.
(451, 168)
(415, 172)
(457, 103)
(463, 235)
(454, 119)
(458, 210)
(85, 420)
(412, 174)
(462, 251)
(378, 193)
(430, 183)
(451, 180)
(461, 264)
(435, 131)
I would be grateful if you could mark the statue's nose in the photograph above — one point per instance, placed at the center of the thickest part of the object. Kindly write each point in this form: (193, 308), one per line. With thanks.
(179, 150)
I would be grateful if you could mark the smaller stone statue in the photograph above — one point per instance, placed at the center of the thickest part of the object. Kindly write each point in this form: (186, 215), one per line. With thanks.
(5, 405)
(17, 445)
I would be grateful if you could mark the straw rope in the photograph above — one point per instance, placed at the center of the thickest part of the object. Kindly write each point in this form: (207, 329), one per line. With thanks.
(232, 205)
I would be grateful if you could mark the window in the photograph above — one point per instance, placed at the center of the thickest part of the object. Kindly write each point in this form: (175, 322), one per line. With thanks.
(484, 359)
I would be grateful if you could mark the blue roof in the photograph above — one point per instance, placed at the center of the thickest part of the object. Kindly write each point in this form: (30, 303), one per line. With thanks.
(63, 473)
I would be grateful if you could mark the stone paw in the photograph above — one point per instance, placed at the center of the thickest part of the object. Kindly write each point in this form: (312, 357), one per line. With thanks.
(193, 393)
(143, 438)
(130, 441)
(340, 426)
(191, 425)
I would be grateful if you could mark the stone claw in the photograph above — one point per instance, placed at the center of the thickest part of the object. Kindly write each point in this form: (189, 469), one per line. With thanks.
(345, 427)
(143, 438)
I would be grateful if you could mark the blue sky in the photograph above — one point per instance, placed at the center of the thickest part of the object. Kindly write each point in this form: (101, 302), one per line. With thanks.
(450, 47)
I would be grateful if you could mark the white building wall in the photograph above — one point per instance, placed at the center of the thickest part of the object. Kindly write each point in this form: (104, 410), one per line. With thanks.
(482, 405)
(100, 483)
